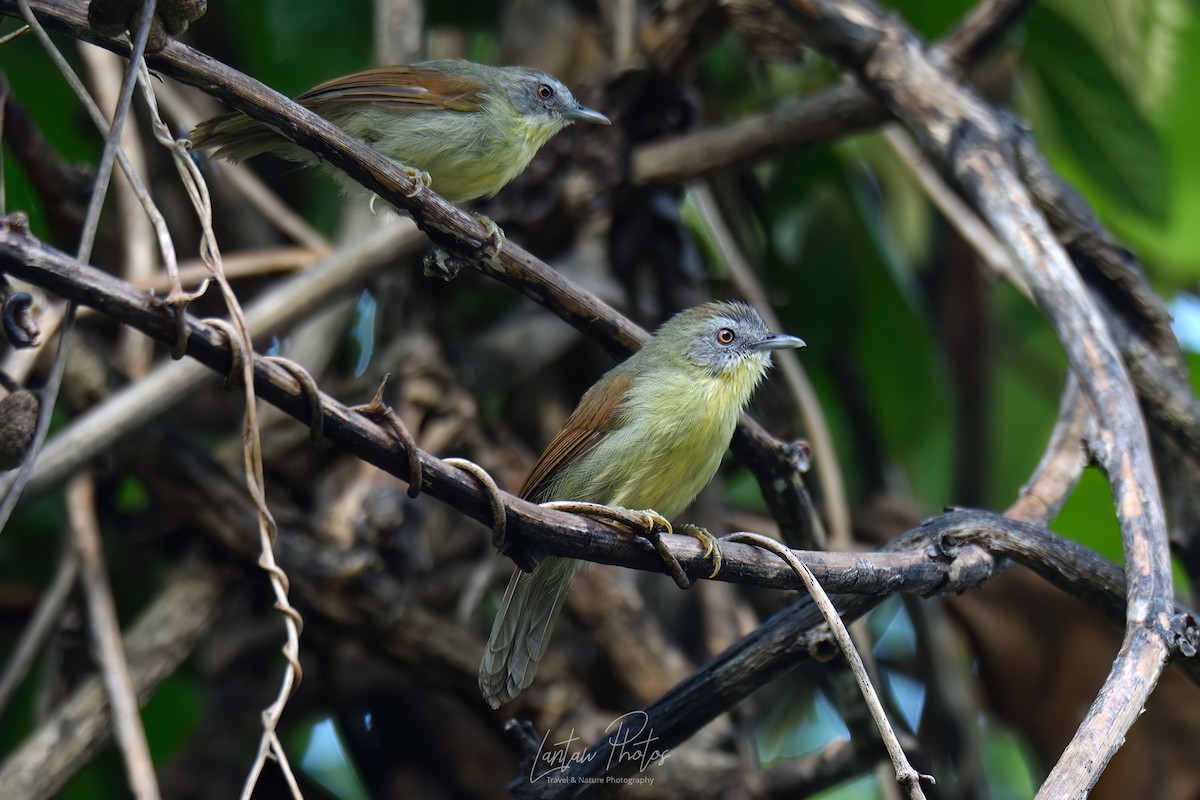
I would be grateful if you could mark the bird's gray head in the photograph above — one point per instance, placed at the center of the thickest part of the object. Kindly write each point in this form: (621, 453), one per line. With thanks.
(724, 337)
(543, 97)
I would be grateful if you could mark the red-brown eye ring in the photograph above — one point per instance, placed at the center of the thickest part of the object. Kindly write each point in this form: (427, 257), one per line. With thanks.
(726, 336)
(544, 91)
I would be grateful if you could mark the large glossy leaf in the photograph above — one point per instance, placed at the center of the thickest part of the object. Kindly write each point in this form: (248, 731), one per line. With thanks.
(853, 299)
(1092, 118)
(1171, 248)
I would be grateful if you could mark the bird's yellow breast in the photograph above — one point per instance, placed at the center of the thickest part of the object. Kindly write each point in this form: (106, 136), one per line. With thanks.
(676, 426)
(467, 154)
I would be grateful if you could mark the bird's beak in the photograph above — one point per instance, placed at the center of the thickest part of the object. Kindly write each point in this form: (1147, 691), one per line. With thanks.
(778, 341)
(584, 114)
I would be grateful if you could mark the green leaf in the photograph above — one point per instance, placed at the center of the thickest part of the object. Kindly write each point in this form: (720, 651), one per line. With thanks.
(1086, 113)
(852, 295)
(931, 20)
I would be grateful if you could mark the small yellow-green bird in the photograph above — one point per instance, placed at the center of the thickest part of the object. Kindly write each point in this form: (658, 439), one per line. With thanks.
(649, 434)
(470, 127)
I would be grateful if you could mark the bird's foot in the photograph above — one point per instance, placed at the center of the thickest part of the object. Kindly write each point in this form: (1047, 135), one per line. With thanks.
(712, 545)
(645, 521)
(495, 239)
(420, 177)
(650, 525)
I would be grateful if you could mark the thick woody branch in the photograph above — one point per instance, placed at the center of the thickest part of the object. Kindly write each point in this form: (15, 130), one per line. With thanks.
(967, 139)
(811, 121)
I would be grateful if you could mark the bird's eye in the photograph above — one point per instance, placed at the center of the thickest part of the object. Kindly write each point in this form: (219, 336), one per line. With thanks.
(545, 91)
(726, 336)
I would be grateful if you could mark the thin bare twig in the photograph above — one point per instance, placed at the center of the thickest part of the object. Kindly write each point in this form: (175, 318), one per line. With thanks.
(134, 352)
(17, 34)
(954, 209)
(239, 341)
(49, 609)
(906, 776)
(106, 636)
(243, 264)
(829, 471)
(240, 177)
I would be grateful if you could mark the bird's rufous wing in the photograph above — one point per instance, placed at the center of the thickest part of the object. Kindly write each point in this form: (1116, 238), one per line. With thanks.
(406, 86)
(590, 422)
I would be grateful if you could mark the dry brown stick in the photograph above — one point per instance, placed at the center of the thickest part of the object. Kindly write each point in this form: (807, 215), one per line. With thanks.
(157, 643)
(255, 263)
(816, 425)
(967, 138)
(269, 204)
(49, 608)
(134, 405)
(908, 778)
(106, 637)
(815, 120)
(134, 353)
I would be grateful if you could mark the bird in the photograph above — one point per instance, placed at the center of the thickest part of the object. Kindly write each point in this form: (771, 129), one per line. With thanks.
(462, 128)
(650, 434)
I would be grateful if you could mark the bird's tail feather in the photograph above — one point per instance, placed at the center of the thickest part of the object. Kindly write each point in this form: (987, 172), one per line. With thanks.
(521, 632)
(236, 137)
